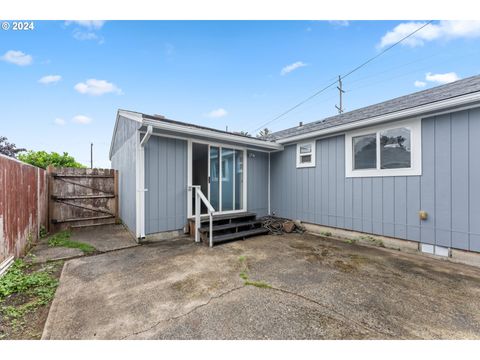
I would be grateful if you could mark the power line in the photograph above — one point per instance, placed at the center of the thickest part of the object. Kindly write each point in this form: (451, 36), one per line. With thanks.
(342, 77)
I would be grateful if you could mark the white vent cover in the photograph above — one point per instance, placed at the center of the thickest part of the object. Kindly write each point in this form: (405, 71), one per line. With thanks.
(434, 250)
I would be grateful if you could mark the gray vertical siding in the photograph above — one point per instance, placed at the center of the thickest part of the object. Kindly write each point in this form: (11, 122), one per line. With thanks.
(124, 160)
(166, 181)
(448, 189)
(257, 182)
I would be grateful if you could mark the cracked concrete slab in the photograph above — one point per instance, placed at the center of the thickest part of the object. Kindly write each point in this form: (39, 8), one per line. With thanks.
(105, 237)
(316, 289)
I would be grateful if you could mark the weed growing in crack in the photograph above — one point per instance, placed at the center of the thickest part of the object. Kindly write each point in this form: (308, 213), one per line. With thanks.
(245, 278)
(259, 284)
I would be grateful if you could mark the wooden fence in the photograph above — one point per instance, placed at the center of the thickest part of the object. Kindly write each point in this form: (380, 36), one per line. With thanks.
(82, 197)
(59, 198)
(23, 206)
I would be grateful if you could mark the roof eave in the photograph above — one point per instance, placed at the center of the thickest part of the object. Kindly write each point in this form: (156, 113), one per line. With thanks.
(452, 104)
(187, 130)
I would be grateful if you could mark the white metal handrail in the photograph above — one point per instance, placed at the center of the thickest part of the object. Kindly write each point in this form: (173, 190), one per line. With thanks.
(199, 196)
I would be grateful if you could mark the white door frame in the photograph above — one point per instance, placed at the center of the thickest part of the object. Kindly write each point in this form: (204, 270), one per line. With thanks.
(190, 171)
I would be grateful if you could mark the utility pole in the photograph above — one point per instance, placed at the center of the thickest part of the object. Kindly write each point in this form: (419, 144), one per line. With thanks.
(91, 155)
(340, 92)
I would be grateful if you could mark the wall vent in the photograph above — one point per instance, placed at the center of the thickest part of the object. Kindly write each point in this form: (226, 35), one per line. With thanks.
(434, 250)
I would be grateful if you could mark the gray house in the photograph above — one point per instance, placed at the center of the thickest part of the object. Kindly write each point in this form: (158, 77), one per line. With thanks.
(407, 168)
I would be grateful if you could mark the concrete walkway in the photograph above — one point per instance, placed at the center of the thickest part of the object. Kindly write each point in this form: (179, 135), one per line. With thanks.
(304, 287)
(103, 238)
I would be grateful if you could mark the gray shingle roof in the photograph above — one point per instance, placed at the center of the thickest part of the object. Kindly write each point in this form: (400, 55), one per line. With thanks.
(443, 92)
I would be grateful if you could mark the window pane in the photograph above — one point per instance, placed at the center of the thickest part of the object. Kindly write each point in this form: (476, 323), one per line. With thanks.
(305, 149)
(227, 179)
(365, 152)
(306, 159)
(214, 180)
(395, 151)
(238, 179)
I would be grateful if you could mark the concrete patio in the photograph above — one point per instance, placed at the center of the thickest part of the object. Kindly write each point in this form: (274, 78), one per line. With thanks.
(302, 287)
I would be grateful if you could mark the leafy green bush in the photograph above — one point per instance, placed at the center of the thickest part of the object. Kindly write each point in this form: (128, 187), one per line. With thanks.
(42, 159)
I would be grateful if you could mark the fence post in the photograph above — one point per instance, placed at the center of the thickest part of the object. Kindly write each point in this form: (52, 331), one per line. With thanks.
(50, 171)
(115, 191)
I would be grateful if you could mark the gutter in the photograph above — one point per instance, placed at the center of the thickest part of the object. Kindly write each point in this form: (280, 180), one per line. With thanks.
(212, 134)
(463, 102)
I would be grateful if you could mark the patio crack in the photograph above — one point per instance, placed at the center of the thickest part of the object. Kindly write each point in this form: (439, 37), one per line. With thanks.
(344, 317)
(187, 313)
(284, 291)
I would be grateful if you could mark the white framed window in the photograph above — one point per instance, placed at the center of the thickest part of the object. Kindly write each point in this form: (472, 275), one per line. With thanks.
(306, 154)
(393, 149)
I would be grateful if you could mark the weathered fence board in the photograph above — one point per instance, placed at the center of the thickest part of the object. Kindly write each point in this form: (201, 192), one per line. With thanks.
(23, 206)
(82, 197)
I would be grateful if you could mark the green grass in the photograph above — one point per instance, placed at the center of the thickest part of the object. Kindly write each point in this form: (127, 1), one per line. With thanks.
(259, 284)
(326, 233)
(62, 239)
(371, 240)
(38, 287)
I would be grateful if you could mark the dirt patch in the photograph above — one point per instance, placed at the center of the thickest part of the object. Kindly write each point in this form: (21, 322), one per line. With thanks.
(327, 255)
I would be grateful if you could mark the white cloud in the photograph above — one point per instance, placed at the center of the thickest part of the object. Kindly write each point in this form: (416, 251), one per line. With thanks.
(50, 79)
(97, 87)
(85, 30)
(89, 24)
(339, 23)
(217, 113)
(438, 79)
(82, 119)
(289, 68)
(84, 35)
(442, 78)
(443, 30)
(419, 84)
(59, 121)
(17, 57)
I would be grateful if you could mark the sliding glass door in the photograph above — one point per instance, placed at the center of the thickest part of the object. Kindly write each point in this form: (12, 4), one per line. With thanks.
(226, 178)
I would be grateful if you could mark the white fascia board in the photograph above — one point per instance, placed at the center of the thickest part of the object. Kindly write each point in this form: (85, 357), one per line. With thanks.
(212, 134)
(453, 104)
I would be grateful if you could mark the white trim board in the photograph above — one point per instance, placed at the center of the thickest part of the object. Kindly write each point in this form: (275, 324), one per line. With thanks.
(458, 103)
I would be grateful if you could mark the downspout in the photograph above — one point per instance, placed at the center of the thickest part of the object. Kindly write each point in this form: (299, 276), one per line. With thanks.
(269, 209)
(142, 189)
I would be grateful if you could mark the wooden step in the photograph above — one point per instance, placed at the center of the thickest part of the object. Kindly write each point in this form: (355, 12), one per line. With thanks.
(224, 217)
(239, 235)
(206, 229)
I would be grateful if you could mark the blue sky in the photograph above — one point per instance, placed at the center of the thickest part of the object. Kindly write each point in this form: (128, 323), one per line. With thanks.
(63, 82)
